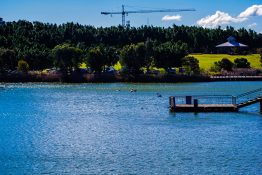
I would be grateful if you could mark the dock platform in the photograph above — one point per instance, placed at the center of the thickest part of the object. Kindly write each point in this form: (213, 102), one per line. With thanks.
(215, 103)
(205, 108)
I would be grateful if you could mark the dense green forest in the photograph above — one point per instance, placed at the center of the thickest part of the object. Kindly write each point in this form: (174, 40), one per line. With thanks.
(44, 45)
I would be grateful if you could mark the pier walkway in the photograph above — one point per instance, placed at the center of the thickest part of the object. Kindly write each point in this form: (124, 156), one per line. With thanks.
(215, 103)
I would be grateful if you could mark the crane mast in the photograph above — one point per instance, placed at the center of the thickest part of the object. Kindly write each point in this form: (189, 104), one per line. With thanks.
(124, 12)
(123, 16)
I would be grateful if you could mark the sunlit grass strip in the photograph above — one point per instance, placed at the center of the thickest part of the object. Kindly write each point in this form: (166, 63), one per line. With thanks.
(206, 61)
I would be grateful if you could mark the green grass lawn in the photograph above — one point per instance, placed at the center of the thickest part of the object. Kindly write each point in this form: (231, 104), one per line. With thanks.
(207, 60)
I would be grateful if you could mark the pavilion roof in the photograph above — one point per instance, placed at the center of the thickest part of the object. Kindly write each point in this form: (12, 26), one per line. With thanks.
(231, 43)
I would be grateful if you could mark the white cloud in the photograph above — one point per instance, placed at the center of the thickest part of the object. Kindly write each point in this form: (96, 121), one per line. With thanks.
(172, 18)
(255, 10)
(220, 18)
(253, 25)
(217, 19)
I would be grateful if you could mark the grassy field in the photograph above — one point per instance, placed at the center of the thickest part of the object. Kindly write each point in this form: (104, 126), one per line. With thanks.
(207, 60)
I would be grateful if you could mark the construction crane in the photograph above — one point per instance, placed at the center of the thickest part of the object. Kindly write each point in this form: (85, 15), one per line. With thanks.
(124, 13)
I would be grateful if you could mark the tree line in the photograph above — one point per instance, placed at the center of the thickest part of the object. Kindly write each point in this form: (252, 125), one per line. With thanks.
(44, 45)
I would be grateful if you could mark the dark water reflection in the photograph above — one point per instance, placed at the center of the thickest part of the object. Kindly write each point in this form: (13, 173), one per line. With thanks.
(95, 129)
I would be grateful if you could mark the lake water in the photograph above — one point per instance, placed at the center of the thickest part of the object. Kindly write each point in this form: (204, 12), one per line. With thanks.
(95, 129)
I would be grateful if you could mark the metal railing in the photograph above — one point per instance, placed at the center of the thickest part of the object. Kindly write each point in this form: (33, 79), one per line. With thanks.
(234, 76)
(250, 95)
(219, 99)
(206, 99)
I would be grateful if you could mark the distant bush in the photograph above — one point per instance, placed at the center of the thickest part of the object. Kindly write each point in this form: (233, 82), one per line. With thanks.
(241, 63)
(23, 66)
(225, 64)
(191, 64)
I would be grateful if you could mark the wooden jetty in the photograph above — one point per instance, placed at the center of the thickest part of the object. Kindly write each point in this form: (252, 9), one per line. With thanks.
(215, 103)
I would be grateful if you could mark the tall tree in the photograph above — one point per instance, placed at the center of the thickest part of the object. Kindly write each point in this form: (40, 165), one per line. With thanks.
(132, 57)
(37, 58)
(8, 59)
(67, 57)
(149, 53)
(169, 55)
(112, 56)
(192, 64)
(96, 58)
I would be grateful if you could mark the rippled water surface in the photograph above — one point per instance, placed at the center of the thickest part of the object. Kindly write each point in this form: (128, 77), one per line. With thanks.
(105, 129)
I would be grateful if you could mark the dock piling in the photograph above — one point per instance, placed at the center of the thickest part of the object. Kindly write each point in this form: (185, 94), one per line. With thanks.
(172, 103)
(188, 100)
(195, 103)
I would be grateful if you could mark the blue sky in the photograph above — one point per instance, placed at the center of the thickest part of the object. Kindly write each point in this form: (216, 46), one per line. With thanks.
(210, 13)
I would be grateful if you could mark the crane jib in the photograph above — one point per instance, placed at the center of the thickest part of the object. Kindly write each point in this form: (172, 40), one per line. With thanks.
(148, 11)
(124, 13)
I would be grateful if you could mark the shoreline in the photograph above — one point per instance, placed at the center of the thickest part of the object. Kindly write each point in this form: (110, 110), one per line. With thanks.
(96, 78)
